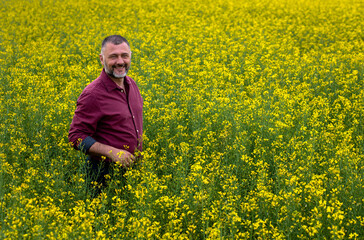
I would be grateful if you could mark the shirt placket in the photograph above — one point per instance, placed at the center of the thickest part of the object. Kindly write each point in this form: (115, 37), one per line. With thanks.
(131, 109)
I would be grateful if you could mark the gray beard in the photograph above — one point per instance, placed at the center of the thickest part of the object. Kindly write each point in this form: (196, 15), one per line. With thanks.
(111, 73)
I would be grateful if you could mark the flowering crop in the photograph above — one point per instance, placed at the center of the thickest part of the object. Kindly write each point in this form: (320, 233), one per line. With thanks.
(253, 119)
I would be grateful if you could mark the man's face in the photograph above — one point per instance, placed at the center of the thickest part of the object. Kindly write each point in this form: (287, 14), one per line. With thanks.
(116, 59)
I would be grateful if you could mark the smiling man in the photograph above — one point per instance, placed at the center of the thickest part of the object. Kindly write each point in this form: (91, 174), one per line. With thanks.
(108, 121)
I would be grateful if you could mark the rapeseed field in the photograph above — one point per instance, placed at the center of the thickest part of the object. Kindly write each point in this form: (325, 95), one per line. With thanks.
(253, 119)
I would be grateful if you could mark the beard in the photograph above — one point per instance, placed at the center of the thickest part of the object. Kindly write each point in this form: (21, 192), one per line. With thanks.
(110, 70)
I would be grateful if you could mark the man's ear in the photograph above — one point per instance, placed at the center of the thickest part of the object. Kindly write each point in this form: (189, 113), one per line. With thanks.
(101, 59)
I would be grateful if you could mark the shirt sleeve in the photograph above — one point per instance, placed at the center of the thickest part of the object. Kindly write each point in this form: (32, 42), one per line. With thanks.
(84, 122)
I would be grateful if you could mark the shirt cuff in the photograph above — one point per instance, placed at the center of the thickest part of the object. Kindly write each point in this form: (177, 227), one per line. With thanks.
(86, 143)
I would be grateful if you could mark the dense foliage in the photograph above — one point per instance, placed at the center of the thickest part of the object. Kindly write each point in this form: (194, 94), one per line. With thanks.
(253, 119)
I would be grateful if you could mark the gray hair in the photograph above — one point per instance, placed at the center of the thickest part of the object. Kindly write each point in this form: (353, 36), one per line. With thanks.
(114, 39)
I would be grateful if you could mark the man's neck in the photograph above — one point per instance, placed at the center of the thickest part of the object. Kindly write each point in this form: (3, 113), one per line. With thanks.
(118, 81)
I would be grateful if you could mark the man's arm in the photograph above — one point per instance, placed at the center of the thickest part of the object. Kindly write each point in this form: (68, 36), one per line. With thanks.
(84, 122)
(121, 156)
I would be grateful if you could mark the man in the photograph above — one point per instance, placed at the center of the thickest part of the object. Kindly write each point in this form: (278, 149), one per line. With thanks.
(108, 121)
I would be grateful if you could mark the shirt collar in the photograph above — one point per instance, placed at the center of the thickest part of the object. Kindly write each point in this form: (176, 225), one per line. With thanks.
(109, 83)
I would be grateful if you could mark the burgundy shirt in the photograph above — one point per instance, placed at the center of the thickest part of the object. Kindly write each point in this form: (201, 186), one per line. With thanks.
(107, 114)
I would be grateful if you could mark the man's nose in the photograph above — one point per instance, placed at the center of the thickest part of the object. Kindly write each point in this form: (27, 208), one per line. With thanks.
(120, 60)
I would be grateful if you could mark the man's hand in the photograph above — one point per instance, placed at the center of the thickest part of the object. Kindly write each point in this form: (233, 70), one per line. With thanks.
(125, 158)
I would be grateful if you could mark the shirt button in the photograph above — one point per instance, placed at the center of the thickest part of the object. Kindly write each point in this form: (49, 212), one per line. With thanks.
(137, 131)
(133, 117)
(121, 90)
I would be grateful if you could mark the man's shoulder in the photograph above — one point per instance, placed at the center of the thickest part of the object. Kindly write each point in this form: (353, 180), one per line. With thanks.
(131, 81)
(92, 92)
(94, 87)
(128, 78)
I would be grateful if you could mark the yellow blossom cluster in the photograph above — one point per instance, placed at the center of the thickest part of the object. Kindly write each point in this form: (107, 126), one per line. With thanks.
(253, 119)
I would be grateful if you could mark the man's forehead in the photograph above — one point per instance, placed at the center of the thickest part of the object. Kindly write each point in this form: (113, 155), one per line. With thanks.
(111, 47)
